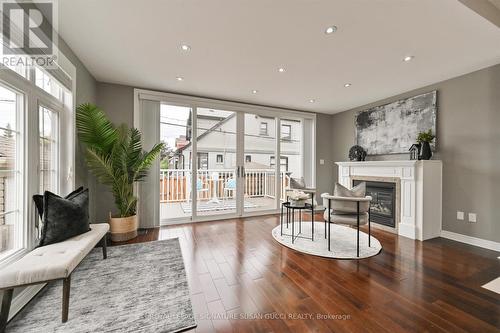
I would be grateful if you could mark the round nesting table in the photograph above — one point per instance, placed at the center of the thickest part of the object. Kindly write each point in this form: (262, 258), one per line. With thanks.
(290, 210)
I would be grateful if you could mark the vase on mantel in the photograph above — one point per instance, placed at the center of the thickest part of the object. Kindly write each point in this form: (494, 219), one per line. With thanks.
(425, 151)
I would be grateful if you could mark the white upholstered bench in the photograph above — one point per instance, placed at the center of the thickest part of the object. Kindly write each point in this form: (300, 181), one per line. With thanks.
(49, 263)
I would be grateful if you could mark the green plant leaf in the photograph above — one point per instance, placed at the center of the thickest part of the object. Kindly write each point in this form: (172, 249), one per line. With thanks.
(94, 129)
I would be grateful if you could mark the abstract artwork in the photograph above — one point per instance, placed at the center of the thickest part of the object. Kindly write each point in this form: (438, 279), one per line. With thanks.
(393, 128)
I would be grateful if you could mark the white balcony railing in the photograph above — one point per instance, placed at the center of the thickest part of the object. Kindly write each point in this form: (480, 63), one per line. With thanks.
(175, 184)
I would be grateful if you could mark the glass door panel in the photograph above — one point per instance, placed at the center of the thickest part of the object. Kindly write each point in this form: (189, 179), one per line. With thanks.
(175, 163)
(291, 157)
(216, 176)
(259, 171)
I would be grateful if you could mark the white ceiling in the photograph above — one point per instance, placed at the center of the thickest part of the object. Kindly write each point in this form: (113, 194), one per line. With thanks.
(238, 45)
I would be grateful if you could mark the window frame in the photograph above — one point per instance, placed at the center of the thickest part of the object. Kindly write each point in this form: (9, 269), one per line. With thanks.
(287, 137)
(57, 141)
(31, 97)
(199, 156)
(19, 169)
(221, 159)
(272, 162)
(264, 131)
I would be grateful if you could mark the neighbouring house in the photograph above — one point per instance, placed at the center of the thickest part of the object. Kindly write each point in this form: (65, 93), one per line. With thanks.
(217, 139)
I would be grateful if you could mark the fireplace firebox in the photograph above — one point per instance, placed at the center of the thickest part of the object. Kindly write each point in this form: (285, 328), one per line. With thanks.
(383, 205)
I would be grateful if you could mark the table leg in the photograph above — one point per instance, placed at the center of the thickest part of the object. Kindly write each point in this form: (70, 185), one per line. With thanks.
(300, 221)
(281, 220)
(287, 216)
(312, 219)
(329, 218)
(293, 223)
(4, 314)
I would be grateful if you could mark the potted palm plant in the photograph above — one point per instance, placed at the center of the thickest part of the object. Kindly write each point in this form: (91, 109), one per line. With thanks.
(115, 156)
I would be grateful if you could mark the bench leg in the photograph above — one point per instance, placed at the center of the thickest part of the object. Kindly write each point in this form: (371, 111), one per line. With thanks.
(104, 247)
(4, 315)
(65, 300)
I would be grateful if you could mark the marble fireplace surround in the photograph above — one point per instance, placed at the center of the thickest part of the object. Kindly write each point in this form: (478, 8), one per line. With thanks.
(418, 192)
(397, 201)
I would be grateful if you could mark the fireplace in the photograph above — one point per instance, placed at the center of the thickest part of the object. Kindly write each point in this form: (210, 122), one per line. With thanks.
(383, 205)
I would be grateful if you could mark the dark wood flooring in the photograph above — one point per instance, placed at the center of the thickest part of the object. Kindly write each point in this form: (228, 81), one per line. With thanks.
(242, 280)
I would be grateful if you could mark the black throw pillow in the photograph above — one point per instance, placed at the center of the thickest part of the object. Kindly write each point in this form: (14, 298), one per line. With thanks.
(63, 218)
(38, 199)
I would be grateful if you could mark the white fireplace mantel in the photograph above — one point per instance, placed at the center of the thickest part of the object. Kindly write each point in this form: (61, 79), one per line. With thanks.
(420, 189)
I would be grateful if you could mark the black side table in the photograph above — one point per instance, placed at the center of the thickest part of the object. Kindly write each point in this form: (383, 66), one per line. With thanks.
(290, 218)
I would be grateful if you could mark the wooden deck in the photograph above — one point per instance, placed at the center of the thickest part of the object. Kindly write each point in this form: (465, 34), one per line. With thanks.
(173, 210)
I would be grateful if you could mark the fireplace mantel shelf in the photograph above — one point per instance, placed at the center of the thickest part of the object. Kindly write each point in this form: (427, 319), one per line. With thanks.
(389, 163)
(420, 189)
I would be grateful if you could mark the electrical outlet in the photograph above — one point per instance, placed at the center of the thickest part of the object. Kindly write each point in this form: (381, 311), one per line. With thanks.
(472, 217)
(460, 215)
(321, 162)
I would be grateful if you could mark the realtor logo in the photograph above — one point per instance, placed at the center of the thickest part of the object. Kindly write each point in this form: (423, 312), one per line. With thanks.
(29, 33)
(27, 27)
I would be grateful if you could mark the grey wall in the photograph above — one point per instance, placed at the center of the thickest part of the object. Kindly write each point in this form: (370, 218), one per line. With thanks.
(118, 103)
(468, 134)
(324, 139)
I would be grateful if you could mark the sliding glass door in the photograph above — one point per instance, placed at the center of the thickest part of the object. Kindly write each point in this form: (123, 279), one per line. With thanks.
(216, 157)
(175, 163)
(220, 163)
(198, 167)
(259, 149)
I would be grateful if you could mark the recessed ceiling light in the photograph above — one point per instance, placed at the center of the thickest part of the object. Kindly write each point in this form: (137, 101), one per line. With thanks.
(179, 78)
(312, 100)
(347, 85)
(330, 30)
(185, 47)
(281, 69)
(254, 91)
(408, 58)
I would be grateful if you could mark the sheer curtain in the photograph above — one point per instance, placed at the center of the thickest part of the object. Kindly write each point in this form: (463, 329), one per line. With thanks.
(149, 190)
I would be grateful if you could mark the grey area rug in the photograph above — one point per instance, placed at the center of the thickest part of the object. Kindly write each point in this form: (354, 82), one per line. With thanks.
(343, 241)
(206, 206)
(139, 288)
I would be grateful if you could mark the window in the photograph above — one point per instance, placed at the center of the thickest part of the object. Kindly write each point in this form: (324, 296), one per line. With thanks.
(46, 82)
(286, 132)
(48, 164)
(36, 145)
(203, 161)
(11, 229)
(219, 159)
(248, 158)
(283, 162)
(263, 128)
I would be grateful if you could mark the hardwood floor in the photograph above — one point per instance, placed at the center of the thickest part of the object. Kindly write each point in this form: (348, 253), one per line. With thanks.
(242, 280)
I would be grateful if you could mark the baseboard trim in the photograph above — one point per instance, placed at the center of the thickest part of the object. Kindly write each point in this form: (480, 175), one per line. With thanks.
(23, 298)
(484, 243)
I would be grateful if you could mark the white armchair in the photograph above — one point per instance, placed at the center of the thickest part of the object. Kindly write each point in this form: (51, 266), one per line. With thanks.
(353, 211)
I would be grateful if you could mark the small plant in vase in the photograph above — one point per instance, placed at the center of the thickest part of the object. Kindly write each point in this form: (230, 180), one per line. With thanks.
(298, 198)
(425, 139)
